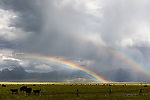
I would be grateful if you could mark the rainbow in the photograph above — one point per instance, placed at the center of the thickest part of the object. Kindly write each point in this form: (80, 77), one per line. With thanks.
(124, 57)
(127, 59)
(66, 63)
(121, 55)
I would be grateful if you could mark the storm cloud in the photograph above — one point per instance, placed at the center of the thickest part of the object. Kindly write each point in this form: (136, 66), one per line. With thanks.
(80, 29)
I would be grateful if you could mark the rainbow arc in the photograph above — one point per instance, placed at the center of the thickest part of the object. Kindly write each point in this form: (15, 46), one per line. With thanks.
(67, 64)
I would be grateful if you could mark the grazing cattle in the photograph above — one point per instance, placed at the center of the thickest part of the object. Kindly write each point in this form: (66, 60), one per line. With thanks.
(3, 85)
(34, 85)
(28, 91)
(14, 91)
(37, 92)
(23, 88)
(145, 86)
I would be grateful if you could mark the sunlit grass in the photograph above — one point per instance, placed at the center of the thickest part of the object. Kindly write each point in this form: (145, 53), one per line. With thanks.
(68, 91)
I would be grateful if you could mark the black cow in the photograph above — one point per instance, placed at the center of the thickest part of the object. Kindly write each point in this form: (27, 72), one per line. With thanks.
(28, 91)
(145, 86)
(14, 91)
(23, 88)
(37, 92)
(3, 85)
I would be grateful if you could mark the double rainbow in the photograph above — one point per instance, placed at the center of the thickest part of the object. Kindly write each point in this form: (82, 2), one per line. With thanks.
(66, 63)
(113, 51)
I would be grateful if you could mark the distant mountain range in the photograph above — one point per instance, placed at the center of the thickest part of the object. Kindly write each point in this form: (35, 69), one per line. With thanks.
(18, 74)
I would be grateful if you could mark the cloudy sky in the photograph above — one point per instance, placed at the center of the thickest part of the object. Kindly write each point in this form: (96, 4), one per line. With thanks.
(81, 31)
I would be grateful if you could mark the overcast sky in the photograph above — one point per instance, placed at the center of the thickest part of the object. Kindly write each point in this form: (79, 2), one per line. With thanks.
(78, 29)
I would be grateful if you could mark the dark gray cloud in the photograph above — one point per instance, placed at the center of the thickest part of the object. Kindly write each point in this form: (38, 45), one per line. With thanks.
(28, 12)
(76, 29)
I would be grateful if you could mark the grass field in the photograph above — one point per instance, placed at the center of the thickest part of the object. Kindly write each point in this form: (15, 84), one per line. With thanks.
(86, 92)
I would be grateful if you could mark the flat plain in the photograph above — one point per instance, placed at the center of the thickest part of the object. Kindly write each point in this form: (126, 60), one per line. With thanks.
(77, 91)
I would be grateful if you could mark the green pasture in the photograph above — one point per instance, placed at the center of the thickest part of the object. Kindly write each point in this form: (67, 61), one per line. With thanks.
(86, 92)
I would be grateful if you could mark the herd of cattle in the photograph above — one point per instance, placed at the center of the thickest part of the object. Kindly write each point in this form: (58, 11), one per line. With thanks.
(28, 90)
(25, 89)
